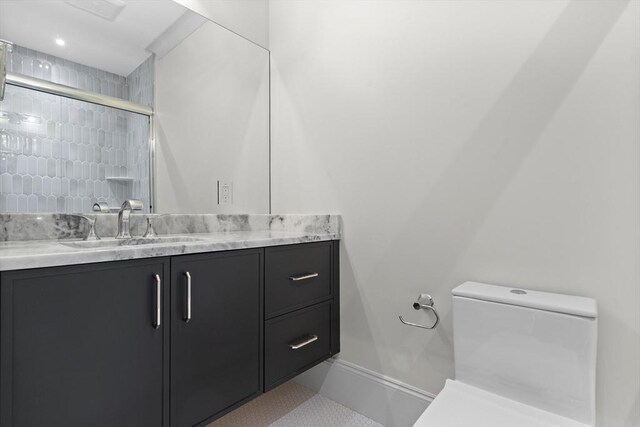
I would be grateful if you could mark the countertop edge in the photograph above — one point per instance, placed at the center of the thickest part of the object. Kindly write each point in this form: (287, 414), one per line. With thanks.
(52, 258)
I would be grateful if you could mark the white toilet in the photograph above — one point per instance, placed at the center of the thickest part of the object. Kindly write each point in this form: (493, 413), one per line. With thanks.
(522, 359)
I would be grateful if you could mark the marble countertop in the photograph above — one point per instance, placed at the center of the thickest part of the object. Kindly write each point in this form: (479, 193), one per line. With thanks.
(27, 254)
(48, 253)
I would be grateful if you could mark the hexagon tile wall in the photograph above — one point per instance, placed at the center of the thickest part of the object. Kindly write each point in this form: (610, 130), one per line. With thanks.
(62, 155)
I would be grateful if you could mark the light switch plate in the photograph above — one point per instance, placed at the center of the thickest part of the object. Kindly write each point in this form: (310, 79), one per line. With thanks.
(225, 192)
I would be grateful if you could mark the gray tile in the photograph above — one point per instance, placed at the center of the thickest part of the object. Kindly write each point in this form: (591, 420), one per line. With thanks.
(46, 186)
(33, 165)
(32, 203)
(69, 155)
(7, 183)
(37, 185)
(12, 203)
(22, 165)
(23, 205)
(27, 184)
(17, 184)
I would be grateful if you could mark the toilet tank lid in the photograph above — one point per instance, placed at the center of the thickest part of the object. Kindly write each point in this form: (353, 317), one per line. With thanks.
(566, 304)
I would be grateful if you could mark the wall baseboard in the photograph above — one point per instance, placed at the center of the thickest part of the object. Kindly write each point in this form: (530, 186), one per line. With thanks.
(383, 399)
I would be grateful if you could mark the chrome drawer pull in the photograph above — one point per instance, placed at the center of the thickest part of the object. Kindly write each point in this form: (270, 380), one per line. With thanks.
(187, 299)
(306, 341)
(303, 277)
(158, 314)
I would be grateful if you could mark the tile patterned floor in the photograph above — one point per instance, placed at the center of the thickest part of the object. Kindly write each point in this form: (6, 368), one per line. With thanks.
(292, 405)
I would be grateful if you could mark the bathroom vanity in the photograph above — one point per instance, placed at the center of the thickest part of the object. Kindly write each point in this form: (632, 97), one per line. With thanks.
(175, 333)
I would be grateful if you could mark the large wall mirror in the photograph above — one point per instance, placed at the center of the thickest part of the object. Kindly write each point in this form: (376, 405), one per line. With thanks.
(110, 100)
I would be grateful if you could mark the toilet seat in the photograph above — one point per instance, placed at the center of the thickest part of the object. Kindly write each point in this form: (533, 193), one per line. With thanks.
(462, 405)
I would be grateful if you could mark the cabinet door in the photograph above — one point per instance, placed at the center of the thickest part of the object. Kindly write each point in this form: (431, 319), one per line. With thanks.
(78, 346)
(216, 333)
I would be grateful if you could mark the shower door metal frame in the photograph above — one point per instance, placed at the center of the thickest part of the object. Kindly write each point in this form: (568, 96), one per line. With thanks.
(98, 99)
(77, 94)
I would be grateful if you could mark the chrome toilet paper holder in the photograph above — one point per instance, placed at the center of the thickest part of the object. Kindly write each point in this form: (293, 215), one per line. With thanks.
(424, 302)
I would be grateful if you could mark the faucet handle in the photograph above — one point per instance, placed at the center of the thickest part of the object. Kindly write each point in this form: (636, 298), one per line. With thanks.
(92, 231)
(150, 231)
(91, 235)
(133, 204)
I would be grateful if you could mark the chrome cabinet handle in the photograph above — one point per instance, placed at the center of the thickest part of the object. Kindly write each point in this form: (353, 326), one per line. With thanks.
(303, 277)
(187, 298)
(304, 342)
(158, 313)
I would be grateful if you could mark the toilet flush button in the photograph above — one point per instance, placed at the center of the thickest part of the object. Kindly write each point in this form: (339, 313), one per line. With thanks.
(518, 291)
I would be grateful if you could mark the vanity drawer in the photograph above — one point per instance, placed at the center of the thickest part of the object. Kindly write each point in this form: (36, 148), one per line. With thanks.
(296, 341)
(296, 276)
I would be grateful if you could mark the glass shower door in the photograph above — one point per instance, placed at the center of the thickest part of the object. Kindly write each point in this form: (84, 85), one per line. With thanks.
(63, 155)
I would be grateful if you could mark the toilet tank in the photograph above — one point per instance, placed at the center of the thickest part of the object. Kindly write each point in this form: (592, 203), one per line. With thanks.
(534, 347)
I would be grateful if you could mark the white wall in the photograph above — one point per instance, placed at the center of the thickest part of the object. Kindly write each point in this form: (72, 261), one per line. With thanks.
(466, 140)
(212, 111)
(248, 18)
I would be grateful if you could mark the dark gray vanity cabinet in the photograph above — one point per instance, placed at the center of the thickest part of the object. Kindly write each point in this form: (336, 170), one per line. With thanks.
(216, 333)
(82, 346)
(175, 341)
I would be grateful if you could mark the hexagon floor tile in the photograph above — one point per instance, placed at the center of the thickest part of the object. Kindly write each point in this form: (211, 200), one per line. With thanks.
(292, 405)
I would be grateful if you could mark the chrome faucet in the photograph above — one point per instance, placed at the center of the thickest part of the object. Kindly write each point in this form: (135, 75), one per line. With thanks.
(124, 225)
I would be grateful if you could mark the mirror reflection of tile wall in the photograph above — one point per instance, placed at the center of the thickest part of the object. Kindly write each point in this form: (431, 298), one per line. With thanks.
(62, 155)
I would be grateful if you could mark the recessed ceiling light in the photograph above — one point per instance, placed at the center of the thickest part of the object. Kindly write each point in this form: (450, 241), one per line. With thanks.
(60, 42)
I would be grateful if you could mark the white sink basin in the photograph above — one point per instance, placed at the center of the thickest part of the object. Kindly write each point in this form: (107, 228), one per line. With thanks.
(135, 241)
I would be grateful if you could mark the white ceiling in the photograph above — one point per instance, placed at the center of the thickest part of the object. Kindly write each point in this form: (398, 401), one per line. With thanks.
(118, 46)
